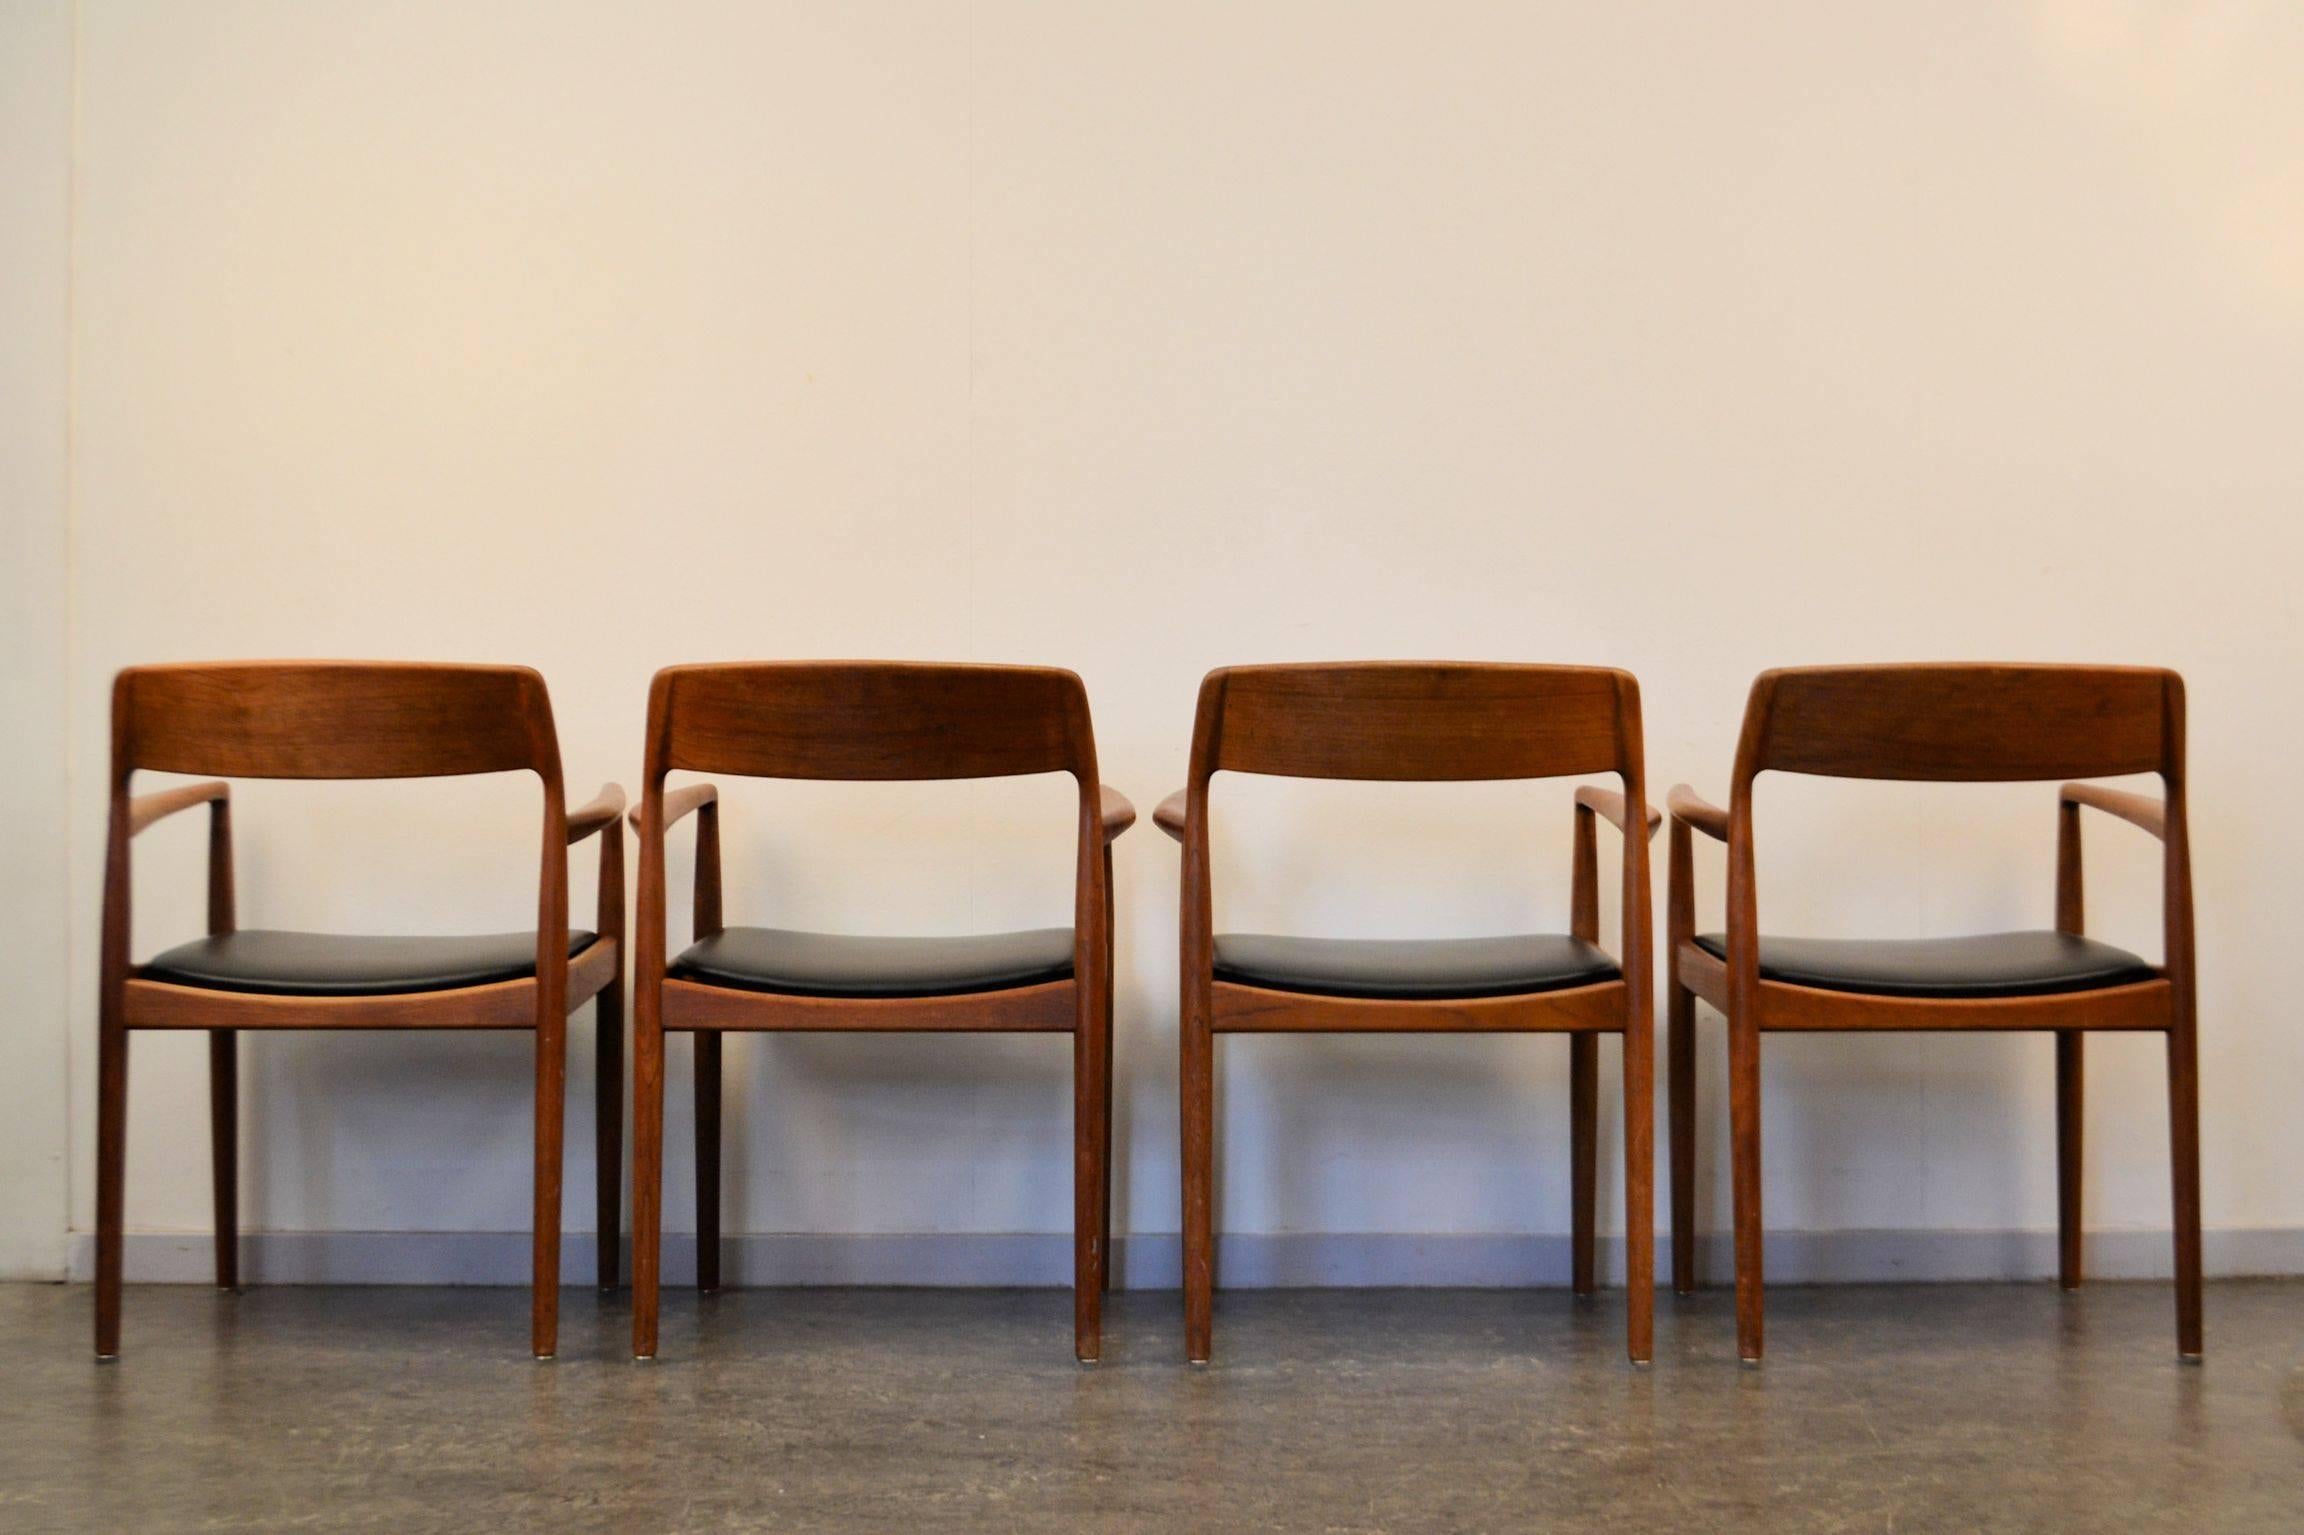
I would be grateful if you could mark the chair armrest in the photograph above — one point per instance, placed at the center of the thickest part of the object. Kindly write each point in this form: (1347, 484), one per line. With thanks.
(144, 809)
(1118, 813)
(600, 812)
(1609, 805)
(2135, 809)
(1688, 806)
(1169, 814)
(680, 802)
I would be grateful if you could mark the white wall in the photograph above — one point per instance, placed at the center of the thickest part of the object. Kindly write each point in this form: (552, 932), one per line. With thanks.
(1693, 339)
(35, 389)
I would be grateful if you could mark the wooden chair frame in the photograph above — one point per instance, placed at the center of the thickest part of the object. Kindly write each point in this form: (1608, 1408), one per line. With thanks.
(350, 719)
(863, 721)
(1953, 723)
(1424, 721)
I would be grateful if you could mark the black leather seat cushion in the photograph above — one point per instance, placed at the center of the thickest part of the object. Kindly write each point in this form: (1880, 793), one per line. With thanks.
(2035, 964)
(348, 964)
(1420, 969)
(846, 965)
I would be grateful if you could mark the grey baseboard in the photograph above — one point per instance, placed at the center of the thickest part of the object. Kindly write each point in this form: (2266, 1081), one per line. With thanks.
(1250, 1260)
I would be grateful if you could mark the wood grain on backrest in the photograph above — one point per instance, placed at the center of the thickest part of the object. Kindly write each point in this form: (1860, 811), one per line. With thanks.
(861, 720)
(333, 719)
(1418, 720)
(1962, 722)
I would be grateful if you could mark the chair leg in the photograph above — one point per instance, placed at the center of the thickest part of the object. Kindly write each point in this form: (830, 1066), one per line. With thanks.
(1744, 1126)
(1107, 1268)
(707, 1160)
(1640, 1188)
(224, 1150)
(608, 1132)
(2069, 1080)
(2184, 1169)
(647, 1169)
(1680, 1047)
(111, 1180)
(1089, 1138)
(1199, 1156)
(1104, 1268)
(551, 1117)
(1108, 1263)
(1583, 1139)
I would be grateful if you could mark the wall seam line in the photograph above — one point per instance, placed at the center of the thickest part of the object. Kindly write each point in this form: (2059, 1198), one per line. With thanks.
(73, 915)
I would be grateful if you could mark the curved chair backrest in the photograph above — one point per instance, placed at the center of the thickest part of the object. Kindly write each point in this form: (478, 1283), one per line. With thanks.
(1964, 723)
(869, 720)
(1416, 721)
(333, 719)
(341, 719)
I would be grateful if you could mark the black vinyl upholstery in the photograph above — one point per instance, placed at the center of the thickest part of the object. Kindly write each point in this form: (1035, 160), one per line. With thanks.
(2029, 964)
(1412, 969)
(348, 964)
(846, 965)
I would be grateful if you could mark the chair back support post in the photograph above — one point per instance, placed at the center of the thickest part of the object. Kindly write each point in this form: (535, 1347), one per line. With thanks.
(552, 906)
(1091, 906)
(705, 915)
(1198, 905)
(2071, 872)
(113, 945)
(649, 911)
(222, 917)
(1635, 894)
(2176, 856)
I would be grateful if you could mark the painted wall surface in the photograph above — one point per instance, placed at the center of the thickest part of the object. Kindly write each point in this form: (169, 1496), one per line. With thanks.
(35, 449)
(1141, 340)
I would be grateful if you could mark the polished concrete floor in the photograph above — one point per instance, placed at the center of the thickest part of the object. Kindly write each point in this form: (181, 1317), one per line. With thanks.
(1953, 1407)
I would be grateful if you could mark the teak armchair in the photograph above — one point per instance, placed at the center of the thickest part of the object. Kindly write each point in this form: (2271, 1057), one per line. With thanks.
(1951, 723)
(1406, 721)
(864, 720)
(350, 719)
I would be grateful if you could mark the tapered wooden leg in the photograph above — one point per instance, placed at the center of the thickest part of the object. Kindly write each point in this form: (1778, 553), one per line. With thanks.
(2068, 1142)
(1680, 1048)
(1744, 1136)
(708, 1100)
(1199, 1152)
(1583, 1140)
(2184, 1170)
(608, 1132)
(1109, 1261)
(647, 1169)
(551, 1120)
(1640, 1188)
(224, 1150)
(1089, 1139)
(111, 1180)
